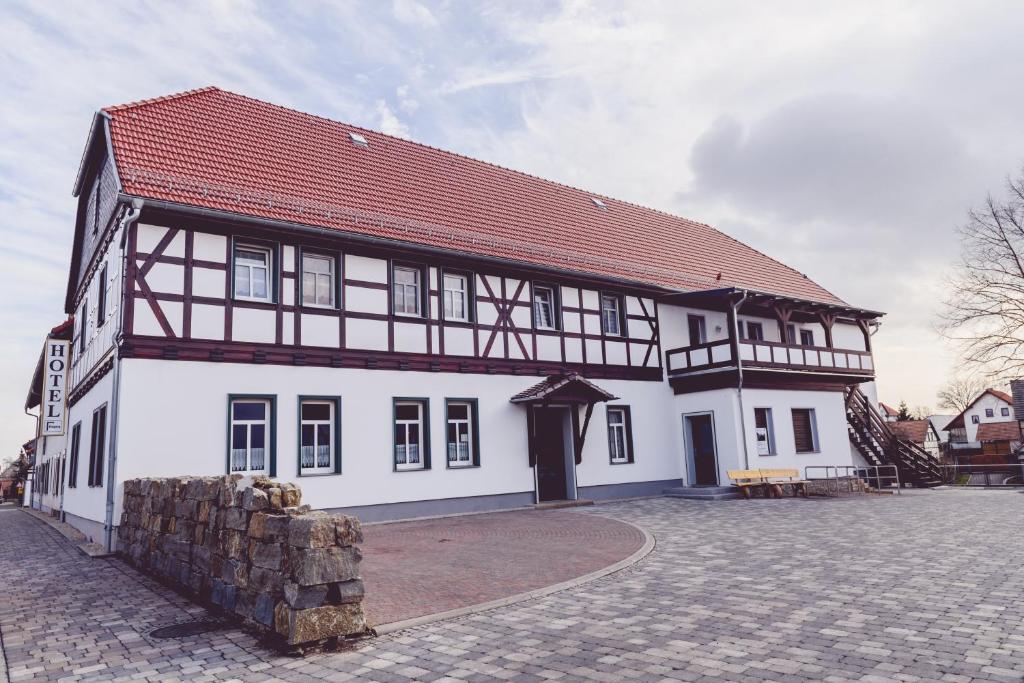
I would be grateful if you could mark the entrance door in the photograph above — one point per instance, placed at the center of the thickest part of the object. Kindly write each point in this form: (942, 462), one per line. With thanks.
(551, 461)
(700, 442)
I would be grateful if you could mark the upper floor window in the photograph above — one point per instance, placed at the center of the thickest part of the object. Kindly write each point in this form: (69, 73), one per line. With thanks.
(791, 334)
(456, 297)
(97, 443)
(989, 412)
(611, 314)
(805, 430)
(754, 331)
(411, 445)
(76, 443)
(250, 427)
(544, 311)
(317, 280)
(461, 436)
(252, 273)
(317, 438)
(1005, 412)
(975, 419)
(407, 288)
(620, 437)
(101, 304)
(83, 326)
(806, 337)
(697, 328)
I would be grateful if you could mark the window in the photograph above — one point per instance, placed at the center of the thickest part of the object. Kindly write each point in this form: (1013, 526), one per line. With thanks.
(407, 290)
(698, 329)
(96, 445)
(412, 447)
(805, 430)
(252, 273)
(456, 297)
(544, 308)
(975, 419)
(250, 426)
(96, 205)
(806, 337)
(101, 304)
(790, 334)
(754, 331)
(764, 431)
(317, 280)
(989, 412)
(83, 328)
(76, 438)
(319, 435)
(620, 435)
(462, 438)
(1005, 412)
(611, 314)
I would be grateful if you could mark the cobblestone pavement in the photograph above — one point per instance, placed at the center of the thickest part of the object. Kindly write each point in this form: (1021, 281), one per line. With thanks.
(479, 558)
(924, 586)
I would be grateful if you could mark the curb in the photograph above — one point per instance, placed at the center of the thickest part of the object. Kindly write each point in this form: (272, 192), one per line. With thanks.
(93, 550)
(644, 551)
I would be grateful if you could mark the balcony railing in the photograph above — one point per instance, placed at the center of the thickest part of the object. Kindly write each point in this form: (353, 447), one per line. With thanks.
(769, 355)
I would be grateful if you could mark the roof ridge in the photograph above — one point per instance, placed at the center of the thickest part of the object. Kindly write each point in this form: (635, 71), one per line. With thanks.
(491, 164)
(163, 98)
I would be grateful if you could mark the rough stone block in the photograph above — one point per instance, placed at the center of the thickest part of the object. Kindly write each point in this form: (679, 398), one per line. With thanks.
(255, 500)
(343, 592)
(236, 518)
(348, 530)
(312, 566)
(265, 580)
(264, 610)
(315, 530)
(318, 623)
(266, 555)
(304, 597)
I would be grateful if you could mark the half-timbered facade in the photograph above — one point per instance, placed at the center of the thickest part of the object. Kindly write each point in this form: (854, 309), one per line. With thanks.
(410, 332)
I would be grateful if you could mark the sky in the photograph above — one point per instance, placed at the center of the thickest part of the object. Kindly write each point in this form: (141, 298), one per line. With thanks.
(846, 139)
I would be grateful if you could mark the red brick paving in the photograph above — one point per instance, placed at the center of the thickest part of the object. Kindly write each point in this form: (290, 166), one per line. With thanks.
(416, 568)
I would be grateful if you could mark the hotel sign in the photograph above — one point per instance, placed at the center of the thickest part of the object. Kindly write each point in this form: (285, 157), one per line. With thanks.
(56, 357)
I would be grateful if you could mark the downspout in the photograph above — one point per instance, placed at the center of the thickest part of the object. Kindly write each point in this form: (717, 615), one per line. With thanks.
(115, 399)
(739, 371)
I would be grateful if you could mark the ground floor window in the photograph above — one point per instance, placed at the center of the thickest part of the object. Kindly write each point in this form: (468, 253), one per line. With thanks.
(252, 425)
(620, 435)
(805, 430)
(412, 442)
(76, 439)
(97, 442)
(319, 435)
(764, 431)
(462, 435)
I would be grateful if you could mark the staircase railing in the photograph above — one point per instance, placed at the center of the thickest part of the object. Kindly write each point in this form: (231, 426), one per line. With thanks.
(881, 446)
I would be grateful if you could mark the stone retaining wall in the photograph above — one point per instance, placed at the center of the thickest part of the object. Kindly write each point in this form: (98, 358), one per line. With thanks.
(247, 547)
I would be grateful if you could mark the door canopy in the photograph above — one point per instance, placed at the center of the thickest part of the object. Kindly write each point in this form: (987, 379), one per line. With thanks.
(571, 388)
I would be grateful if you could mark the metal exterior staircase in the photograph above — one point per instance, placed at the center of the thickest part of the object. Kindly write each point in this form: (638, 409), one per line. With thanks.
(870, 434)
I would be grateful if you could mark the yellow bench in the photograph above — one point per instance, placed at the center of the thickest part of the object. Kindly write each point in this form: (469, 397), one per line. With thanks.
(771, 480)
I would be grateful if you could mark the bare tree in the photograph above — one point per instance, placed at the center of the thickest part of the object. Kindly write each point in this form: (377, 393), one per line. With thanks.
(960, 391)
(985, 310)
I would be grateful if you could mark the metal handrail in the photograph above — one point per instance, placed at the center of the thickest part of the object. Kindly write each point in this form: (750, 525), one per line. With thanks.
(863, 472)
(1013, 470)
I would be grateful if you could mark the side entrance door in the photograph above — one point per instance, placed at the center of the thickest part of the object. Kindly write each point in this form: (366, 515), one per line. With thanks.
(700, 446)
(550, 445)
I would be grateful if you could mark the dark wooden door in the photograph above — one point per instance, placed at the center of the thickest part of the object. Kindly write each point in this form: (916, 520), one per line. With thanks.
(702, 445)
(550, 445)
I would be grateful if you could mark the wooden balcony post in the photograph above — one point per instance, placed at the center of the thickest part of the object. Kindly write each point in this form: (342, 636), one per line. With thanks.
(783, 314)
(827, 320)
(865, 329)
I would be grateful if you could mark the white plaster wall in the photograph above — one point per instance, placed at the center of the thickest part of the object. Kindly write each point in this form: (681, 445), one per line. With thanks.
(253, 325)
(209, 247)
(987, 401)
(724, 407)
(84, 500)
(364, 268)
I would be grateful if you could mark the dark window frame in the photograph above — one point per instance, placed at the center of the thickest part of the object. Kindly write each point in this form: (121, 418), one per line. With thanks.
(1004, 411)
(83, 326)
(101, 297)
(807, 338)
(271, 423)
(747, 327)
(97, 433)
(627, 420)
(74, 450)
(335, 446)
(474, 422)
(769, 428)
(990, 412)
(812, 421)
(424, 435)
(702, 329)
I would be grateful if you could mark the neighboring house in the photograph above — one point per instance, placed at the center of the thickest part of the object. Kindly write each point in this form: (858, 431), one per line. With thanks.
(999, 438)
(920, 432)
(888, 412)
(939, 423)
(407, 331)
(990, 406)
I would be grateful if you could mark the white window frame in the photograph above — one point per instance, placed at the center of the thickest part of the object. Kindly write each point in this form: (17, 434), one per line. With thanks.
(266, 251)
(449, 294)
(616, 301)
(463, 427)
(267, 414)
(332, 287)
(416, 287)
(769, 432)
(419, 423)
(316, 423)
(815, 444)
(618, 428)
(538, 321)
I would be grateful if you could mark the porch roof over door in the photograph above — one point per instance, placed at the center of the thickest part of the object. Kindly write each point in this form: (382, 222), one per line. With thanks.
(569, 388)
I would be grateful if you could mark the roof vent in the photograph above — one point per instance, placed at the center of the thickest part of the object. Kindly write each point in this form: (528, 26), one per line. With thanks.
(598, 203)
(358, 140)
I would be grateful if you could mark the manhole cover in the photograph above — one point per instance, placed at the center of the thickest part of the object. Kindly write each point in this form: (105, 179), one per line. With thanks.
(186, 629)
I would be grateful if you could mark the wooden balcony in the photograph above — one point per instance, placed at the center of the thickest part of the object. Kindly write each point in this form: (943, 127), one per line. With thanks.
(765, 364)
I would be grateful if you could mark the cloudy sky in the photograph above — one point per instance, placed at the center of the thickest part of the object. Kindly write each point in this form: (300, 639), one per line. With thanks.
(846, 139)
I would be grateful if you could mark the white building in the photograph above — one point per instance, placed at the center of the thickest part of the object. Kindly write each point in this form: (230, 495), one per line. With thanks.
(405, 331)
(990, 406)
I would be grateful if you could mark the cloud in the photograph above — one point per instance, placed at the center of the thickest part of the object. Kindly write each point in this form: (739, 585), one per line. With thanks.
(389, 123)
(412, 12)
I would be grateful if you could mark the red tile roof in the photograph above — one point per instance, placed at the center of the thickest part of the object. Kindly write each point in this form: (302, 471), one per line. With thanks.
(912, 430)
(219, 150)
(958, 421)
(999, 431)
(888, 410)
